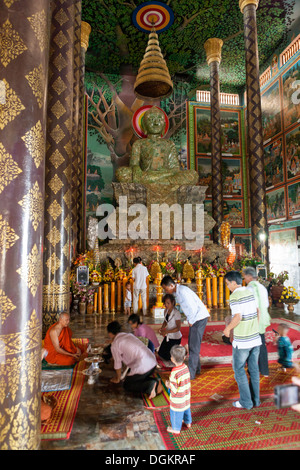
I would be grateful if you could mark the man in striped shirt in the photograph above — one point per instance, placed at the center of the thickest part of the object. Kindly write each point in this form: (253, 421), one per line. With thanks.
(246, 340)
(180, 391)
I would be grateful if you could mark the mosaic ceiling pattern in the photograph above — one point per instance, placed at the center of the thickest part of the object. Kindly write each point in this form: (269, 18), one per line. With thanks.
(116, 43)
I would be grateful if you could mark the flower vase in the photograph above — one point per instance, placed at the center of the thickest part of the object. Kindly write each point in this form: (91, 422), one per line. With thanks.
(291, 307)
(89, 308)
(75, 305)
(82, 308)
(276, 292)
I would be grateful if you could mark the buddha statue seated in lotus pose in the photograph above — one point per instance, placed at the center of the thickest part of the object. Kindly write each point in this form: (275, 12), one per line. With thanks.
(154, 159)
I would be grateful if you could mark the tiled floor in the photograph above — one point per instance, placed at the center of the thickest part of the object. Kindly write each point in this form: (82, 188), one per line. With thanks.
(107, 418)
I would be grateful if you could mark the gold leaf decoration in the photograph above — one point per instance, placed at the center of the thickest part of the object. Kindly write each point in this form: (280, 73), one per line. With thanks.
(56, 159)
(35, 142)
(6, 307)
(31, 270)
(8, 236)
(38, 23)
(54, 236)
(33, 202)
(53, 263)
(54, 210)
(12, 107)
(55, 184)
(36, 82)
(11, 44)
(9, 170)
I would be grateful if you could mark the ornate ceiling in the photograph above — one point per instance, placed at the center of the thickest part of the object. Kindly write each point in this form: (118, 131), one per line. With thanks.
(117, 44)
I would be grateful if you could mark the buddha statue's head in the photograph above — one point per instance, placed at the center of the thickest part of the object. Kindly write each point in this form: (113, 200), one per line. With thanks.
(154, 121)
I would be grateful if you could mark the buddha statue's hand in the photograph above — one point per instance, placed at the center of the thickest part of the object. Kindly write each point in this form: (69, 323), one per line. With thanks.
(137, 174)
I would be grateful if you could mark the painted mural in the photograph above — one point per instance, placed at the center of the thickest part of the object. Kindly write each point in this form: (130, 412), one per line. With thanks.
(292, 140)
(291, 101)
(294, 200)
(233, 212)
(273, 160)
(230, 131)
(276, 209)
(271, 112)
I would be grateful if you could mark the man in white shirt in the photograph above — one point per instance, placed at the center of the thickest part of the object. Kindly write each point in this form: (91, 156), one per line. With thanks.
(196, 314)
(262, 299)
(139, 274)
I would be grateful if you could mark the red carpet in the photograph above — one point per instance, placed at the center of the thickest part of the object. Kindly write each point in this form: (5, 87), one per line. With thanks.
(215, 351)
(220, 426)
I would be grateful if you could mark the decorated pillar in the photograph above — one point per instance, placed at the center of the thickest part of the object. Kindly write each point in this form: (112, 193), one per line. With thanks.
(75, 130)
(58, 181)
(23, 87)
(85, 33)
(259, 226)
(213, 49)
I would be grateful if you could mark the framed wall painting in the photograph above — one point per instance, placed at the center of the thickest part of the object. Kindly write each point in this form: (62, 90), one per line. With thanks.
(290, 92)
(230, 127)
(233, 212)
(232, 177)
(273, 162)
(202, 130)
(271, 112)
(245, 241)
(294, 200)
(230, 131)
(292, 145)
(276, 207)
(203, 166)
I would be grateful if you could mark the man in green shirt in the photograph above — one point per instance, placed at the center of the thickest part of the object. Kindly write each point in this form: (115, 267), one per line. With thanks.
(246, 340)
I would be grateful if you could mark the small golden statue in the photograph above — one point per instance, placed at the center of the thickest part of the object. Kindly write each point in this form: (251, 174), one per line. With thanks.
(188, 272)
(154, 159)
(155, 268)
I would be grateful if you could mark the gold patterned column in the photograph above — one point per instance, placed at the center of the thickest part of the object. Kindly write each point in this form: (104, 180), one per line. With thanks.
(255, 131)
(24, 68)
(75, 131)
(58, 181)
(85, 33)
(213, 47)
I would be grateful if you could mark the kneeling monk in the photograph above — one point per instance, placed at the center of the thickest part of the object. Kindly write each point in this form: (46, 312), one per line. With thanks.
(59, 345)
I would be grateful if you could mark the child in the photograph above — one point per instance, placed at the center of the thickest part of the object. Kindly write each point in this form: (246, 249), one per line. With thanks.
(145, 331)
(180, 391)
(128, 298)
(170, 328)
(285, 348)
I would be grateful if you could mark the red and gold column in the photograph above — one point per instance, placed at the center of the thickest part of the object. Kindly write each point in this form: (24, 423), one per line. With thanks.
(213, 47)
(24, 70)
(59, 170)
(255, 131)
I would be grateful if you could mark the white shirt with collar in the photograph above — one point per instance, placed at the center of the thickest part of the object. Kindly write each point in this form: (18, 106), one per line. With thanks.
(140, 274)
(193, 308)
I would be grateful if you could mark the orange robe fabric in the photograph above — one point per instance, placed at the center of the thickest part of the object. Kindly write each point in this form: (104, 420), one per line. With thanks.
(65, 342)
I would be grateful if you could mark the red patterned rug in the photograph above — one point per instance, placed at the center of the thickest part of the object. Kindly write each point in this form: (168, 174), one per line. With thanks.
(215, 351)
(220, 426)
(217, 383)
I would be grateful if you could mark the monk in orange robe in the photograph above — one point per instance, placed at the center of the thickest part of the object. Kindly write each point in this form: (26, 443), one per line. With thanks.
(59, 345)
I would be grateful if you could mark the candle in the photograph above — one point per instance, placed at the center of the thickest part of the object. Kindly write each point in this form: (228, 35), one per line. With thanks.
(119, 296)
(100, 299)
(105, 295)
(227, 294)
(147, 282)
(221, 291)
(214, 291)
(112, 297)
(208, 292)
(95, 302)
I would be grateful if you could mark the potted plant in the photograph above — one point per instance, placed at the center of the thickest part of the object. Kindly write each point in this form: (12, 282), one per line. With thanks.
(289, 297)
(276, 286)
(95, 277)
(82, 299)
(90, 300)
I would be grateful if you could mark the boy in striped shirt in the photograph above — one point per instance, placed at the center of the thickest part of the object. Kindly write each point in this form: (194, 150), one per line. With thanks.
(180, 391)
(246, 340)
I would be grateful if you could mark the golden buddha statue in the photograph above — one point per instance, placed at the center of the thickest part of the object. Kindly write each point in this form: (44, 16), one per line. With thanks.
(154, 159)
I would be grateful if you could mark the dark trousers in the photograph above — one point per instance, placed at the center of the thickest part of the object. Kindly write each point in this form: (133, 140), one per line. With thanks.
(263, 357)
(165, 348)
(195, 338)
(142, 383)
